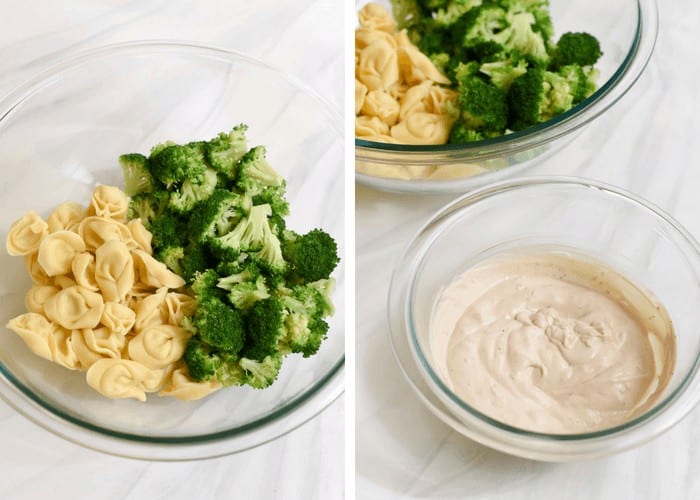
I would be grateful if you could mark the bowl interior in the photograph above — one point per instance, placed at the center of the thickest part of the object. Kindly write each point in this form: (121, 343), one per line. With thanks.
(626, 31)
(63, 134)
(610, 227)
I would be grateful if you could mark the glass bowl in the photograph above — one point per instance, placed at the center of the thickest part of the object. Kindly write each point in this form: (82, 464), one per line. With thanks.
(612, 226)
(627, 34)
(61, 134)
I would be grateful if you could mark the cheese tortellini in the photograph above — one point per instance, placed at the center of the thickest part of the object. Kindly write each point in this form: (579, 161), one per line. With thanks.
(101, 303)
(397, 87)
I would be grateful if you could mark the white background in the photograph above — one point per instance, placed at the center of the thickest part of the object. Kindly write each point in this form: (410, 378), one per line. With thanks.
(649, 143)
(301, 37)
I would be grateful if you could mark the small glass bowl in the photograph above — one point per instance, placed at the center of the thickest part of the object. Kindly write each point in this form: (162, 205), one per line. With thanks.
(608, 224)
(61, 134)
(627, 33)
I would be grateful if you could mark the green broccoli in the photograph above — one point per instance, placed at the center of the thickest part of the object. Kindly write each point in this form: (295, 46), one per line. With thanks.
(225, 150)
(310, 257)
(171, 257)
(202, 363)
(265, 329)
(185, 197)
(219, 326)
(305, 307)
(147, 206)
(217, 215)
(502, 73)
(538, 96)
(137, 177)
(175, 163)
(255, 173)
(482, 105)
(245, 284)
(261, 374)
(576, 48)
(460, 134)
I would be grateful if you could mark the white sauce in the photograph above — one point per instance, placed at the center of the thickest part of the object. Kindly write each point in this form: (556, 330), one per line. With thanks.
(552, 343)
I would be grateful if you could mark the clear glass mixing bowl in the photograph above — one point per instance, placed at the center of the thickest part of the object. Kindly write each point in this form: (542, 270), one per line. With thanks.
(61, 134)
(627, 33)
(610, 225)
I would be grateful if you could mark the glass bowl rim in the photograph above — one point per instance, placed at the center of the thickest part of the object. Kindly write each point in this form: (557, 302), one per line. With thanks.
(451, 210)
(23, 92)
(629, 71)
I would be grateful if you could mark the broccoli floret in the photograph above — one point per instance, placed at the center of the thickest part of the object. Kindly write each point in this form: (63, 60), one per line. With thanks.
(175, 163)
(201, 363)
(462, 135)
(582, 82)
(502, 73)
(185, 197)
(261, 374)
(217, 215)
(230, 373)
(310, 257)
(204, 285)
(249, 233)
(167, 230)
(225, 150)
(270, 257)
(195, 259)
(265, 329)
(245, 285)
(255, 173)
(172, 257)
(482, 104)
(539, 95)
(406, 12)
(513, 29)
(218, 325)
(305, 328)
(450, 11)
(576, 48)
(325, 289)
(137, 177)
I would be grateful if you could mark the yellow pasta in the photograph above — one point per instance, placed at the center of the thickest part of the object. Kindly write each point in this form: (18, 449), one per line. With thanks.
(154, 273)
(66, 216)
(96, 231)
(34, 329)
(121, 378)
(140, 235)
(101, 303)
(397, 87)
(83, 269)
(181, 386)
(57, 250)
(37, 296)
(158, 346)
(114, 270)
(74, 308)
(118, 318)
(26, 234)
(109, 202)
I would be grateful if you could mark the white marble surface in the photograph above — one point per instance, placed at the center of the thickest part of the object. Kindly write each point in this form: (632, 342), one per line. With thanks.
(301, 37)
(649, 143)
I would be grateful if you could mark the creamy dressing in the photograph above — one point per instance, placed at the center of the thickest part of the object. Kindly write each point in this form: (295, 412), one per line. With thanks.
(552, 343)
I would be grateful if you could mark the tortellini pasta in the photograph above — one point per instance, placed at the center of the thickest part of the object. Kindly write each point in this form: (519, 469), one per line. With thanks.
(67, 216)
(121, 378)
(158, 346)
(182, 387)
(101, 303)
(397, 87)
(109, 202)
(25, 234)
(57, 250)
(114, 270)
